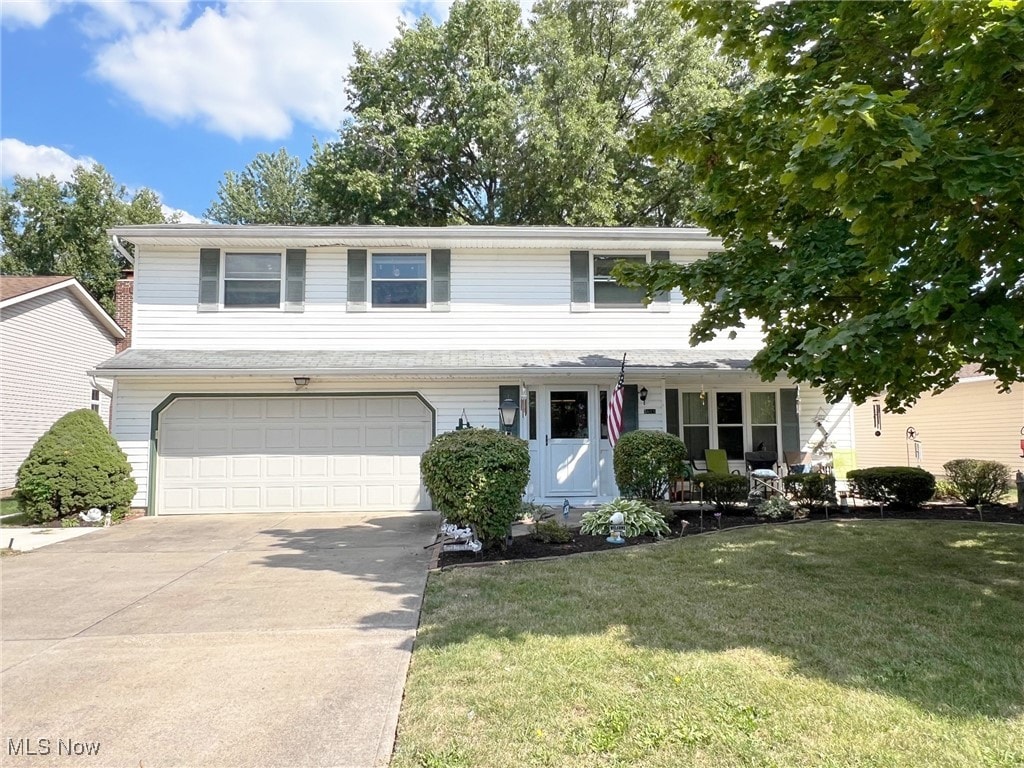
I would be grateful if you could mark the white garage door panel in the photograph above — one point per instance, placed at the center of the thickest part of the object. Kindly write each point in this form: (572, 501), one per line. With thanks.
(246, 454)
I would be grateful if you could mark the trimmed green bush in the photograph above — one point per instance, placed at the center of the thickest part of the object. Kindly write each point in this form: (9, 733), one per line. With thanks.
(725, 491)
(646, 462)
(907, 487)
(811, 488)
(552, 532)
(477, 477)
(638, 518)
(977, 482)
(75, 466)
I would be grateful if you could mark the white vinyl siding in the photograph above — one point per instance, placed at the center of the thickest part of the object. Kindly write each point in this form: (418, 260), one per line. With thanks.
(48, 343)
(503, 298)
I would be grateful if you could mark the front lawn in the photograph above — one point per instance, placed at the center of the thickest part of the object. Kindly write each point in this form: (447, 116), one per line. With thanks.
(9, 509)
(844, 644)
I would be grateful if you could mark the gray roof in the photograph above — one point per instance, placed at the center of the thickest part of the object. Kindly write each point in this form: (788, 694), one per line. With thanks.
(447, 362)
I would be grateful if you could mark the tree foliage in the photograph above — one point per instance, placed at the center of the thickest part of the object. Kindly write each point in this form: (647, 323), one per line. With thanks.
(487, 119)
(60, 228)
(270, 190)
(870, 191)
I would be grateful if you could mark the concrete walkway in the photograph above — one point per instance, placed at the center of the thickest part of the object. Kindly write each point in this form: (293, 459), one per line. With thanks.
(235, 640)
(26, 539)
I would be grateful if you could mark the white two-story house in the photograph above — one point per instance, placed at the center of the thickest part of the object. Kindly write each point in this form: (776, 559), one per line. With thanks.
(307, 368)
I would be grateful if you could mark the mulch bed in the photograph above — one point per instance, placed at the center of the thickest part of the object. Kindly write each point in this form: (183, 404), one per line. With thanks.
(526, 547)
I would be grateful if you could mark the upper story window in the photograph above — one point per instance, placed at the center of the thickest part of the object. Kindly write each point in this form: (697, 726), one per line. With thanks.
(252, 279)
(236, 280)
(607, 292)
(593, 287)
(399, 280)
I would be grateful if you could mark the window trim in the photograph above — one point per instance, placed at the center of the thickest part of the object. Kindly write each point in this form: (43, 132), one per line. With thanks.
(594, 279)
(281, 279)
(94, 400)
(748, 415)
(427, 280)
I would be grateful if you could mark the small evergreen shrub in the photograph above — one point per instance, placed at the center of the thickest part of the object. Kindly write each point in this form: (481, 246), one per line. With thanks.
(552, 532)
(977, 482)
(725, 491)
(907, 487)
(75, 465)
(811, 489)
(646, 462)
(639, 519)
(477, 477)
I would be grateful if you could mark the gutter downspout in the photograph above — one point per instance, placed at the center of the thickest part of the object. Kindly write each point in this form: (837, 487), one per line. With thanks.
(96, 385)
(122, 250)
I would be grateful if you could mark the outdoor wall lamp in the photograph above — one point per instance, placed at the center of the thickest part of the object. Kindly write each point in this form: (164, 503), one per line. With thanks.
(508, 410)
(643, 394)
(300, 381)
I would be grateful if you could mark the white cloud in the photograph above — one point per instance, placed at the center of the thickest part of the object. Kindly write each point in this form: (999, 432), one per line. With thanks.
(184, 217)
(248, 69)
(20, 159)
(27, 13)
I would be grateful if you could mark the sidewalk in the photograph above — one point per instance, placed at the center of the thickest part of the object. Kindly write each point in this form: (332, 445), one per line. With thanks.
(27, 539)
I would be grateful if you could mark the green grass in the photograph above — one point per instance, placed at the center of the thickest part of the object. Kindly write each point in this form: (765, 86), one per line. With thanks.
(844, 644)
(10, 507)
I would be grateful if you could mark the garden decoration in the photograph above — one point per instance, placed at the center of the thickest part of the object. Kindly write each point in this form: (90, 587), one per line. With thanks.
(617, 525)
(455, 539)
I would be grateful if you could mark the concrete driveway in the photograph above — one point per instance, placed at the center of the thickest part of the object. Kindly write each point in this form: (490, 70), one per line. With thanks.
(235, 640)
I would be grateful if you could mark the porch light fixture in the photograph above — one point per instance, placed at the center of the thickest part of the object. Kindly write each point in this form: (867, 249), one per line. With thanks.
(643, 394)
(508, 410)
(300, 381)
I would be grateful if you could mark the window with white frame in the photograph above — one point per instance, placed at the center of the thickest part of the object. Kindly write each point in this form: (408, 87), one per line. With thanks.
(607, 292)
(729, 423)
(95, 401)
(764, 421)
(252, 280)
(398, 280)
(696, 428)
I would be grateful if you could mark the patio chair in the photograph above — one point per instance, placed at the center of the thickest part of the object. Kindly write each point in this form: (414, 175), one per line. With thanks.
(762, 474)
(797, 462)
(717, 462)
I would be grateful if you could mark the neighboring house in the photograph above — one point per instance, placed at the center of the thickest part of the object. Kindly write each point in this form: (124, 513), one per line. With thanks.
(52, 332)
(970, 420)
(292, 368)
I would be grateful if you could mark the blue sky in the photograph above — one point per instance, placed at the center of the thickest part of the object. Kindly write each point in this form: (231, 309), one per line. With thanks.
(170, 95)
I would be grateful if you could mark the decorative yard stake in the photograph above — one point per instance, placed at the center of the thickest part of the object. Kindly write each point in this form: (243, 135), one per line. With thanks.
(565, 511)
(617, 525)
(702, 506)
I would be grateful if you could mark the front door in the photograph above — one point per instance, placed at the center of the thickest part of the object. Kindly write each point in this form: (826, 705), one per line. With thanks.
(570, 424)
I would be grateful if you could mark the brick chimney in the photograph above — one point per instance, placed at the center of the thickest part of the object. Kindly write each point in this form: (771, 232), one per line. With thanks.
(124, 291)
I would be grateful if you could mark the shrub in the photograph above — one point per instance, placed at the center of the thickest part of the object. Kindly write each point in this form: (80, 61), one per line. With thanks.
(74, 466)
(638, 518)
(775, 508)
(552, 532)
(977, 482)
(646, 462)
(477, 477)
(811, 488)
(725, 491)
(898, 486)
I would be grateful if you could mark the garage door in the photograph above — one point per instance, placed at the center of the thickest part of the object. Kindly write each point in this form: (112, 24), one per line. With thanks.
(273, 454)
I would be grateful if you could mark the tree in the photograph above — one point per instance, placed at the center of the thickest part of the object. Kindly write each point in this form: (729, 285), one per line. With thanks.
(271, 190)
(488, 120)
(54, 228)
(869, 191)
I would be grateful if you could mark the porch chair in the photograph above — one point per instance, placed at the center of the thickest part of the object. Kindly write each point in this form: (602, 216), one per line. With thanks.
(762, 474)
(797, 462)
(717, 462)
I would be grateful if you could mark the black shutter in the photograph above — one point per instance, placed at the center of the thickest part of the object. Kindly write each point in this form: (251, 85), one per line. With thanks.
(579, 272)
(209, 279)
(630, 408)
(356, 279)
(295, 279)
(664, 296)
(440, 279)
(672, 411)
(509, 392)
(790, 421)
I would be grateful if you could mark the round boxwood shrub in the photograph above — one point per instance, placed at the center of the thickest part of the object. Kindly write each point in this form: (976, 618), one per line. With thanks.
(977, 482)
(725, 491)
(477, 477)
(907, 487)
(811, 488)
(76, 465)
(647, 462)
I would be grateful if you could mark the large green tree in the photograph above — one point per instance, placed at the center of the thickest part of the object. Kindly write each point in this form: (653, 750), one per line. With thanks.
(488, 119)
(870, 191)
(270, 190)
(49, 227)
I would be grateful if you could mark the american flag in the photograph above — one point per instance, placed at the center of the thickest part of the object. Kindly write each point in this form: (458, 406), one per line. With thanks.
(615, 407)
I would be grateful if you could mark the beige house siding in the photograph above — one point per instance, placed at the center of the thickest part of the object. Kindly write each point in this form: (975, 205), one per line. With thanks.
(971, 420)
(47, 344)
